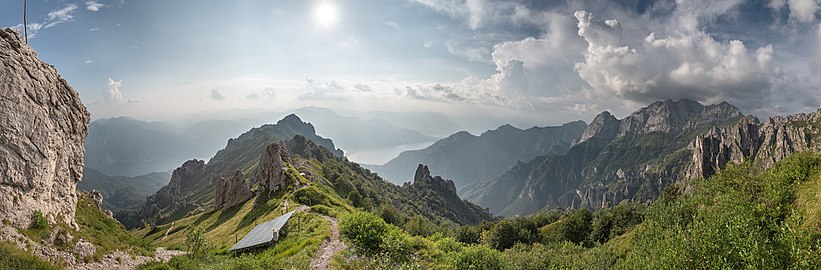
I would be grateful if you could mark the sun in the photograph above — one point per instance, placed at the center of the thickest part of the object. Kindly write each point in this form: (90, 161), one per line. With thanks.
(326, 14)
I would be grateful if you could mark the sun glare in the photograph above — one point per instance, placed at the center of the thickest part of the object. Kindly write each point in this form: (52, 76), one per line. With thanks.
(325, 14)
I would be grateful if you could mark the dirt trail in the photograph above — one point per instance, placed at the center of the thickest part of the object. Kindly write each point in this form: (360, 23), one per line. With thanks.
(326, 251)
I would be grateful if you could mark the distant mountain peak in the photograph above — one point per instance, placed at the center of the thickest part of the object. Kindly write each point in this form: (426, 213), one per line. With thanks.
(291, 119)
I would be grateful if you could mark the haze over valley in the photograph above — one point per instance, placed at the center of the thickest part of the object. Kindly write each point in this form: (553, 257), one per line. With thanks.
(410, 134)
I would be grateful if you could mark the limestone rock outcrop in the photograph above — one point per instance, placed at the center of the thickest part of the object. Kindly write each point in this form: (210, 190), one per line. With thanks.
(423, 176)
(231, 191)
(762, 143)
(271, 169)
(604, 126)
(43, 124)
(662, 116)
(169, 197)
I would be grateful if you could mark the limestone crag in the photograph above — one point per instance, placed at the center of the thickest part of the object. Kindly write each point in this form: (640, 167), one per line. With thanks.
(271, 170)
(762, 143)
(231, 191)
(43, 124)
(604, 126)
(662, 116)
(169, 197)
(423, 176)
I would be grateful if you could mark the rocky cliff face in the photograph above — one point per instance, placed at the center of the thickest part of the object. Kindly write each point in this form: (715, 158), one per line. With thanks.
(42, 127)
(423, 176)
(748, 140)
(232, 191)
(270, 172)
(604, 126)
(440, 199)
(662, 116)
(171, 197)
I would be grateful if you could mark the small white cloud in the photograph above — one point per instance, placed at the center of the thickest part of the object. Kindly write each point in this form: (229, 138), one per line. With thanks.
(428, 44)
(89, 61)
(93, 5)
(217, 95)
(59, 16)
(113, 95)
(93, 29)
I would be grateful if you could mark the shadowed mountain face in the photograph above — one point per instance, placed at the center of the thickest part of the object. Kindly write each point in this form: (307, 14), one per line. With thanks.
(629, 159)
(467, 159)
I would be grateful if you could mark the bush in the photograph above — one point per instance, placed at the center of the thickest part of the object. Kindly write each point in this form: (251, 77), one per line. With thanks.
(511, 231)
(477, 257)
(574, 228)
(365, 231)
(419, 226)
(396, 244)
(309, 196)
(389, 213)
(196, 243)
(38, 221)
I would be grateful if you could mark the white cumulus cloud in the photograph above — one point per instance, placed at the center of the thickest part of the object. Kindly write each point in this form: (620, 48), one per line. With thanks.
(93, 5)
(686, 65)
(113, 95)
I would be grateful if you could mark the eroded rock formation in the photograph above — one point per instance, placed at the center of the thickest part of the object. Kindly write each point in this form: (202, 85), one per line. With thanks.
(43, 125)
(232, 191)
(271, 170)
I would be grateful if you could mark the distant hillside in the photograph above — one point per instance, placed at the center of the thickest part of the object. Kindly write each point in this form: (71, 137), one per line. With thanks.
(122, 193)
(467, 159)
(634, 158)
(359, 134)
(129, 147)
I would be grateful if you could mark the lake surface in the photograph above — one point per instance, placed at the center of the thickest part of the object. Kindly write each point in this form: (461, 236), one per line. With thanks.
(380, 156)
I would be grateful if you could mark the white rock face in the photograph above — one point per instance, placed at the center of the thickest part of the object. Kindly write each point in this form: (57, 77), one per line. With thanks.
(43, 125)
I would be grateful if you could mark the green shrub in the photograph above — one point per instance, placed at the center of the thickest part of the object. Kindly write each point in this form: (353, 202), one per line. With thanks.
(511, 231)
(196, 243)
(479, 257)
(310, 196)
(365, 231)
(574, 228)
(396, 244)
(38, 221)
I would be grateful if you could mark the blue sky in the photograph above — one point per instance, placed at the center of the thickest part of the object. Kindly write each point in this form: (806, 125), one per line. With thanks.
(524, 62)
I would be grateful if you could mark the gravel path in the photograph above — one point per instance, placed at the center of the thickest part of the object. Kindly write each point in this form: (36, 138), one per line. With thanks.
(326, 251)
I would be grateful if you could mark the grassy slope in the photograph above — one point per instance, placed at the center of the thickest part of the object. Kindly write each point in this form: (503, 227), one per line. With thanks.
(15, 258)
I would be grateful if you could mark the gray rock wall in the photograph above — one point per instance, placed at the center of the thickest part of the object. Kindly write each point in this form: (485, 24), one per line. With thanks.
(43, 125)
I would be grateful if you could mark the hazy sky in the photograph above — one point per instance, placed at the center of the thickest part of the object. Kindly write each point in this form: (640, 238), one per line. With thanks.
(525, 62)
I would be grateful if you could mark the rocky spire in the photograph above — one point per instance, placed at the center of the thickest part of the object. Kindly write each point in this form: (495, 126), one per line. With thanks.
(271, 169)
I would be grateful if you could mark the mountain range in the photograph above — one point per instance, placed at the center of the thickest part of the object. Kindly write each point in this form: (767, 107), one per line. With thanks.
(633, 158)
(467, 159)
